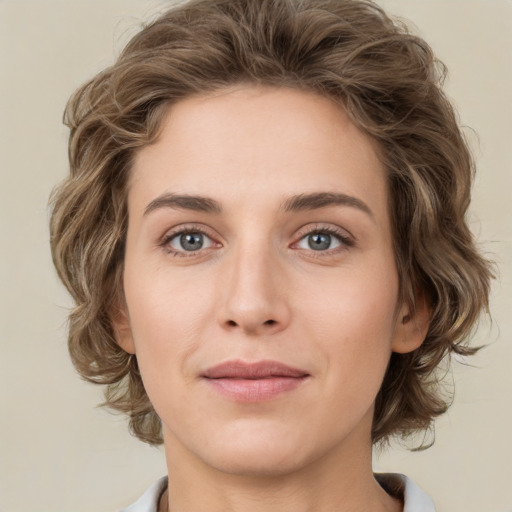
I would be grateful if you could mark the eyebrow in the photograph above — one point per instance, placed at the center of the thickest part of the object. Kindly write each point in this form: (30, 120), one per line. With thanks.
(301, 202)
(184, 202)
(318, 200)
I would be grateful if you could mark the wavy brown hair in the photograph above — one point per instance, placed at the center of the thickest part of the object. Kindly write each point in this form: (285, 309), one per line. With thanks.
(387, 80)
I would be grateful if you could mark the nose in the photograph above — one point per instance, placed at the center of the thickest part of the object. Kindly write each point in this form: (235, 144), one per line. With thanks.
(255, 295)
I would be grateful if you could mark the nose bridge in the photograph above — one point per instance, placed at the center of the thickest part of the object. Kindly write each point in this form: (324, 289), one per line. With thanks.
(254, 300)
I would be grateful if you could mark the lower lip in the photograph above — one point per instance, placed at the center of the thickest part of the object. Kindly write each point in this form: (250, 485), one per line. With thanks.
(254, 390)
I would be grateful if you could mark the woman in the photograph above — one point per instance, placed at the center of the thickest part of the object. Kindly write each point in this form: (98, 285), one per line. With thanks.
(263, 231)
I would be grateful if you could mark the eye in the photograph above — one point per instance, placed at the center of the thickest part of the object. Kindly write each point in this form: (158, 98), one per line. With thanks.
(188, 241)
(319, 241)
(324, 240)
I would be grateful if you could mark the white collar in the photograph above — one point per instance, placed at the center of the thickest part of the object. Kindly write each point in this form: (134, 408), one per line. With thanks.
(414, 498)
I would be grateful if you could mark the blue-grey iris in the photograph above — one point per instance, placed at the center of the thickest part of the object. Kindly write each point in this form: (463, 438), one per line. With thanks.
(319, 241)
(191, 241)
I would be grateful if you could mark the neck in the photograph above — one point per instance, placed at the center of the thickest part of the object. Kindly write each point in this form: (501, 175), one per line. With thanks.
(340, 481)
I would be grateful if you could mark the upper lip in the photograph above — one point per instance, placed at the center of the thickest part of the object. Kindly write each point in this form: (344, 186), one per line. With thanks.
(257, 370)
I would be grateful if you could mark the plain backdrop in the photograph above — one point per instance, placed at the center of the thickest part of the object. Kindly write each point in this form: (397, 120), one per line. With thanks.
(58, 451)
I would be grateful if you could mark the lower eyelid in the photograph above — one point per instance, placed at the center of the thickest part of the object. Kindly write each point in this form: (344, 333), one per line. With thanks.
(344, 241)
(339, 243)
(165, 241)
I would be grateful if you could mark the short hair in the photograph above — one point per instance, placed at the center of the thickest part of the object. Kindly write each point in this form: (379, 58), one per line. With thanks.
(389, 83)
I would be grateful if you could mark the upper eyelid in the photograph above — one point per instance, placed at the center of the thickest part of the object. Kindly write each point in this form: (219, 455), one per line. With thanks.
(300, 233)
(171, 234)
(345, 239)
(326, 227)
(188, 228)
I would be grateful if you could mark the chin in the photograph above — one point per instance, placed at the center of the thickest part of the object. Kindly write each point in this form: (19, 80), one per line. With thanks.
(264, 454)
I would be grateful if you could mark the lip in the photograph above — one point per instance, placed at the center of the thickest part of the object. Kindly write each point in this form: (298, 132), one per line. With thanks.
(259, 370)
(253, 382)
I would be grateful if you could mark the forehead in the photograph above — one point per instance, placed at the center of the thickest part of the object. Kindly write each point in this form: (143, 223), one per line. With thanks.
(274, 141)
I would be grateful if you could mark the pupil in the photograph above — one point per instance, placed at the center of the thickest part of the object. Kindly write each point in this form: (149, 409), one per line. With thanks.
(319, 241)
(191, 241)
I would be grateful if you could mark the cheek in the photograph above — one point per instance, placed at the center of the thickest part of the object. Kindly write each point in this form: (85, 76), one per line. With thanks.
(167, 316)
(355, 298)
(351, 318)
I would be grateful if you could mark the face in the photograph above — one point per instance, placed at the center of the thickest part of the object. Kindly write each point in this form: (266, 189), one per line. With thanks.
(260, 282)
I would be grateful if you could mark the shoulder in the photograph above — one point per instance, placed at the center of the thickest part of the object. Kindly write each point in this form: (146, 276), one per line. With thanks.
(148, 502)
(414, 498)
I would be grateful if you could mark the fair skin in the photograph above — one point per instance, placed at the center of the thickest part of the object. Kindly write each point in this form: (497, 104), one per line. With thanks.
(284, 254)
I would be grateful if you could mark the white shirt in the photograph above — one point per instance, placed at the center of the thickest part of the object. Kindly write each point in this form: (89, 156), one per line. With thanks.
(415, 500)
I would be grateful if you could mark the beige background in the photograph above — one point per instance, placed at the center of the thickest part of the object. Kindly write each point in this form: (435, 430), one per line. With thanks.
(60, 453)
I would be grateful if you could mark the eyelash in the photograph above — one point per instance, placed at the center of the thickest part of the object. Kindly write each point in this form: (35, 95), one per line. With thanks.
(346, 242)
(189, 228)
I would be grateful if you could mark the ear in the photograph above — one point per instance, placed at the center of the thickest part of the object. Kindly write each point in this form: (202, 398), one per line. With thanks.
(122, 329)
(411, 327)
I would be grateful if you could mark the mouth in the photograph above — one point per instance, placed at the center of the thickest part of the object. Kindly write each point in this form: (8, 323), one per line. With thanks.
(253, 382)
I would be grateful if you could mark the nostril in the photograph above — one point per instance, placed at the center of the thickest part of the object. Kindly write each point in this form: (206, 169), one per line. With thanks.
(233, 323)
